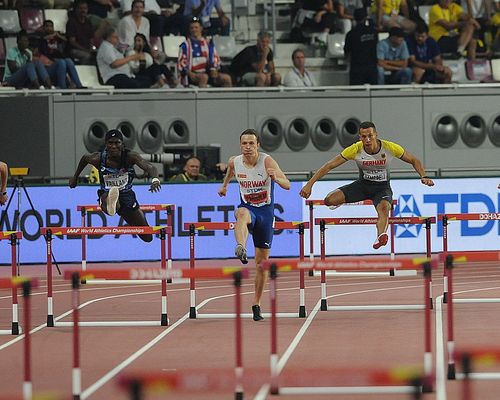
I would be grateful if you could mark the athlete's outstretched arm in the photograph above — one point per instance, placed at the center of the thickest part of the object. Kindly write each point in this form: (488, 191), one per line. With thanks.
(325, 168)
(417, 165)
(229, 175)
(4, 175)
(147, 167)
(276, 174)
(92, 159)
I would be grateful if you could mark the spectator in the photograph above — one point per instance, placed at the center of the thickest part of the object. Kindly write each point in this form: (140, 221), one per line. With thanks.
(132, 24)
(481, 11)
(388, 15)
(114, 67)
(361, 50)
(393, 55)
(51, 4)
(155, 75)
(317, 16)
(425, 58)
(51, 50)
(4, 174)
(21, 70)
(100, 9)
(80, 34)
(202, 9)
(198, 63)
(159, 20)
(299, 76)
(345, 10)
(453, 29)
(191, 172)
(254, 65)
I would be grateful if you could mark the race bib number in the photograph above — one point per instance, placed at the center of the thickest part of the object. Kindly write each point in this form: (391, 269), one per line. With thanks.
(115, 180)
(377, 175)
(256, 198)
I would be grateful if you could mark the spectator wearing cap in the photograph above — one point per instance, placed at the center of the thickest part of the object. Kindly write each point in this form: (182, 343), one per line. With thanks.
(392, 56)
(299, 76)
(425, 58)
(361, 49)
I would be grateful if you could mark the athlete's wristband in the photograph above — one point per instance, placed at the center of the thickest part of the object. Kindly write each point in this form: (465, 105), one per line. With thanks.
(155, 180)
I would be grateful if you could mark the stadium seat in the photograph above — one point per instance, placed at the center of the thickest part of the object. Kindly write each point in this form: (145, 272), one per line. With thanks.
(171, 45)
(58, 17)
(458, 69)
(31, 19)
(423, 11)
(335, 47)
(89, 77)
(9, 42)
(9, 21)
(479, 70)
(495, 69)
(226, 46)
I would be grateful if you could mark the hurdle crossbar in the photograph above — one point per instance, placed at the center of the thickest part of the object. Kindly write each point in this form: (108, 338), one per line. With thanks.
(324, 222)
(85, 209)
(162, 231)
(312, 203)
(13, 237)
(449, 259)
(193, 227)
(427, 385)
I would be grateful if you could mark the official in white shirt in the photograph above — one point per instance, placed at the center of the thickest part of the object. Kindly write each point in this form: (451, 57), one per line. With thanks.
(299, 76)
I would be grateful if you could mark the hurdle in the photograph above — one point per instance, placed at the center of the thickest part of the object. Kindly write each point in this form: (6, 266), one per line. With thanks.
(312, 203)
(85, 209)
(13, 237)
(449, 265)
(226, 226)
(162, 231)
(323, 222)
(238, 274)
(351, 264)
(468, 358)
(27, 284)
(445, 219)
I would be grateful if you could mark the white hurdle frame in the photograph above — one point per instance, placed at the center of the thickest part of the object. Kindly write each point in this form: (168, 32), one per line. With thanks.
(323, 222)
(13, 236)
(162, 231)
(86, 209)
(278, 225)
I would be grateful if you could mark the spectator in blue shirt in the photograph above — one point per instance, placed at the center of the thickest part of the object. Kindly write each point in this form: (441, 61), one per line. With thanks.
(202, 9)
(392, 56)
(425, 58)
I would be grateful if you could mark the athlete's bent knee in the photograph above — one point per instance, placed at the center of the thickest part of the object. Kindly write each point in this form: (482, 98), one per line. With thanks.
(146, 238)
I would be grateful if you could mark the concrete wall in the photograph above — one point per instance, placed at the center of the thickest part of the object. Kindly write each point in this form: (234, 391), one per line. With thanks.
(452, 127)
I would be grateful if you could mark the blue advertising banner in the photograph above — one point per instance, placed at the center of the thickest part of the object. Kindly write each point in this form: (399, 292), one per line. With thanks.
(471, 195)
(56, 206)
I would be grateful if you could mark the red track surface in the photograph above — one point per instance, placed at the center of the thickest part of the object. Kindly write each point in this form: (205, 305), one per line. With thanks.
(345, 339)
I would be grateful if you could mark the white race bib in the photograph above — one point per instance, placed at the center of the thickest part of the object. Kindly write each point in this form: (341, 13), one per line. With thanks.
(116, 180)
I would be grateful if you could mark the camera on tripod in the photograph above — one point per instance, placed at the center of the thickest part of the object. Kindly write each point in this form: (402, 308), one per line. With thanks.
(163, 158)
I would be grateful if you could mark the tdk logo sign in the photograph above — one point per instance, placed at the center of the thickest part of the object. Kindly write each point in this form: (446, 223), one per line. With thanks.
(407, 207)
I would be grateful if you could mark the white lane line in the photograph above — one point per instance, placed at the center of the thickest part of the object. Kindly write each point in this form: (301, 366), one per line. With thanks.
(264, 390)
(111, 374)
(440, 362)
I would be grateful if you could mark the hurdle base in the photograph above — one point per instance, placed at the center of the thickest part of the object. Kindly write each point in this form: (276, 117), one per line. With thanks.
(238, 395)
(451, 372)
(15, 328)
(192, 312)
(302, 312)
(431, 303)
(50, 321)
(108, 323)
(480, 376)
(427, 388)
(164, 320)
(378, 307)
(169, 280)
(325, 390)
(324, 305)
(76, 397)
(243, 315)
(445, 297)
(311, 272)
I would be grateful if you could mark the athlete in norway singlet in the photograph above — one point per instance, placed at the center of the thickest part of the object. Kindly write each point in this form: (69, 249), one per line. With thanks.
(373, 167)
(256, 187)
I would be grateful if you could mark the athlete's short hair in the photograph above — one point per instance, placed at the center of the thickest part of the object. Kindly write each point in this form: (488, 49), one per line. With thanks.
(250, 132)
(367, 125)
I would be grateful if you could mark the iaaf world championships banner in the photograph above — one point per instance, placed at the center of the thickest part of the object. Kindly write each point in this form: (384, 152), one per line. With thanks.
(56, 206)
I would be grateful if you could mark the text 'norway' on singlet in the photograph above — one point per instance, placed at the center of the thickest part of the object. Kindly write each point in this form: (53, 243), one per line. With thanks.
(256, 186)
(373, 167)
